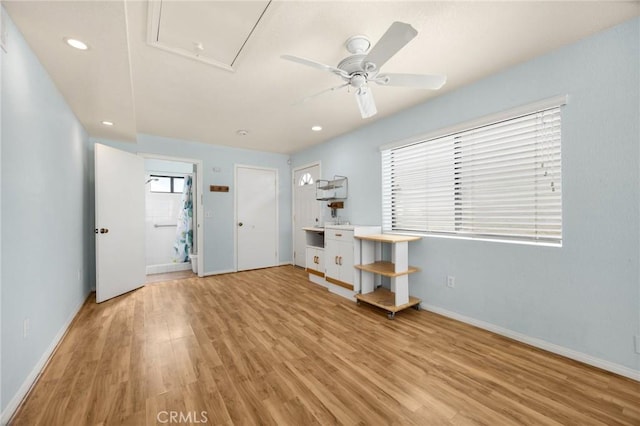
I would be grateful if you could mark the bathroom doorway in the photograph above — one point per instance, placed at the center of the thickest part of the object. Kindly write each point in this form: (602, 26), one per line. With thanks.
(173, 232)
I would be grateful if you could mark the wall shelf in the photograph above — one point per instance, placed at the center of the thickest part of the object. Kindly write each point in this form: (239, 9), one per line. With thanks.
(335, 189)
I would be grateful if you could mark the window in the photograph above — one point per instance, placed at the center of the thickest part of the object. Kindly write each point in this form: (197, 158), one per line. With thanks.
(305, 179)
(500, 180)
(168, 184)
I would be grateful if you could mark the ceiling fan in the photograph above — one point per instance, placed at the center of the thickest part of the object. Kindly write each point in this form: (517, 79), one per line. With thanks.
(363, 67)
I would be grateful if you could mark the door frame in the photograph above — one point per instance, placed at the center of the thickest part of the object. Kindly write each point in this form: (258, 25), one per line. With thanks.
(293, 202)
(235, 210)
(199, 198)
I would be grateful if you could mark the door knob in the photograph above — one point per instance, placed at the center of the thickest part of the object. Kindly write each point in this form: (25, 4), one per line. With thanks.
(239, 223)
(104, 230)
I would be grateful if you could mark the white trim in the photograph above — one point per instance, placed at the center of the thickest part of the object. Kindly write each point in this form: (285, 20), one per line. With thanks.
(37, 370)
(153, 23)
(220, 272)
(538, 343)
(286, 262)
(529, 108)
(199, 172)
(168, 267)
(235, 210)
(293, 201)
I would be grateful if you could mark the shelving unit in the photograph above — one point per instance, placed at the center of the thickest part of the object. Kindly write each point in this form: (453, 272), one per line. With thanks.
(398, 270)
(335, 189)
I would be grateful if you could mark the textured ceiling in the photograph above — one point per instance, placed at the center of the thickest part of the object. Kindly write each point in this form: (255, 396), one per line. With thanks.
(144, 89)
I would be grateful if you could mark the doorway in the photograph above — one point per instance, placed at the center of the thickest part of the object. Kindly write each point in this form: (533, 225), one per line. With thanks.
(170, 240)
(120, 183)
(256, 217)
(306, 209)
(174, 246)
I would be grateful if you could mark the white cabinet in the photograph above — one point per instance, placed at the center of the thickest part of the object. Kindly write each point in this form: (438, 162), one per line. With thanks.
(332, 252)
(315, 255)
(315, 261)
(342, 252)
(339, 262)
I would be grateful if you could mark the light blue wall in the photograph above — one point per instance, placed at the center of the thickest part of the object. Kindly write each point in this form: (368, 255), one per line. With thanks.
(153, 165)
(219, 228)
(584, 296)
(46, 238)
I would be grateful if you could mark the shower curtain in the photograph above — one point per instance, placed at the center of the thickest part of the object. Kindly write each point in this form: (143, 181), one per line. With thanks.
(184, 234)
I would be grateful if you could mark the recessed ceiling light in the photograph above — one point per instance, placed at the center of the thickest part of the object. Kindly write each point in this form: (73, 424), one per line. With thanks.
(242, 132)
(107, 123)
(316, 128)
(76, 43)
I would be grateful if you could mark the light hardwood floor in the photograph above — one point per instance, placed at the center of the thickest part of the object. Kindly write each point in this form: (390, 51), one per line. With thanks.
(169, 276)
(268, 347)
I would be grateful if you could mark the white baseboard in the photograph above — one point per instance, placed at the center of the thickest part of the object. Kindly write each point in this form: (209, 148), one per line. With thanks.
(220, 272)
(538, 343)
(231, 271)
(168, 267)
(288, 262)
(22, 392)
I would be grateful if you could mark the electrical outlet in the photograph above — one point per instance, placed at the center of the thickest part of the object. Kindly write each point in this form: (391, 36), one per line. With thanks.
(637, 339)
(451, 281)
(25, 328)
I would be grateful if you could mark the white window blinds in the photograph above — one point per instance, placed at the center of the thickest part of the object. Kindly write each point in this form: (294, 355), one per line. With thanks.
(500, 180)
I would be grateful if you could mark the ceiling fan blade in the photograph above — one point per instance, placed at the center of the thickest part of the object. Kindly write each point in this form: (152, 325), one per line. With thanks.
(421, 81)
(396, 37)
(314, 64)
(331, 89)
(365, 102)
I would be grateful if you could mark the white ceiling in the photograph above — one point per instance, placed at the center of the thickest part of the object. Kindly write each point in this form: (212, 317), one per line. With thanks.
(144, 89)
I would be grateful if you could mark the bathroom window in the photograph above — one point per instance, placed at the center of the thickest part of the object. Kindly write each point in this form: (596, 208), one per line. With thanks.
(167, 184)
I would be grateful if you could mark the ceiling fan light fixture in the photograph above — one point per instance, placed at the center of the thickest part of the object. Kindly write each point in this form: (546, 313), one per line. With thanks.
(367, 105)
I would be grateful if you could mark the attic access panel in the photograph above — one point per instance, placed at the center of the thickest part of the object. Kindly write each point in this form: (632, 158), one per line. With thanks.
(212, 32)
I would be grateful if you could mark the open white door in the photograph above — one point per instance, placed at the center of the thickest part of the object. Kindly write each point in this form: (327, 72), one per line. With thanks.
(256, 217)
(120, 243)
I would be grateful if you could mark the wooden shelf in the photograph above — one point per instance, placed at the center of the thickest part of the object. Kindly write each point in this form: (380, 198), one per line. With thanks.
(313, 229)
(385, 299)
(385, 268)
(389, 238)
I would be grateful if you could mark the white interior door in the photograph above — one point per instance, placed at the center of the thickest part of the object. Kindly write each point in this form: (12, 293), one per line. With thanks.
(120, 242)
(256, 217)
(306, 210)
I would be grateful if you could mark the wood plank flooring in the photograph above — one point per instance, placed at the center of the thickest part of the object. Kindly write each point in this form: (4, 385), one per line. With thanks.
(269, 347)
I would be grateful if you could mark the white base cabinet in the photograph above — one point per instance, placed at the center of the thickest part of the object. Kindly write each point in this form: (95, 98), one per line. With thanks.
(339, 254)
